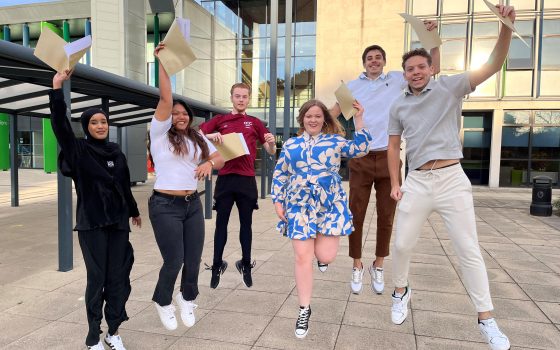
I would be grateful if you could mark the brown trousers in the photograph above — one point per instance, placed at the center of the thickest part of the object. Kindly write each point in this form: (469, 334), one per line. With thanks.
(365, 172)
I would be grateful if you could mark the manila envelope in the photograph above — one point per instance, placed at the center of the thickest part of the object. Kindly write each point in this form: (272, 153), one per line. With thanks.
(234, 146)
(59, 54)
(177, 54)
(345, 100)
(505, 20)
(428, 38)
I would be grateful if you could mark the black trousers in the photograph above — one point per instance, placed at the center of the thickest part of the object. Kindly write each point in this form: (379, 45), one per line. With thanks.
(241, 190)
(178, 225)
(108, 256)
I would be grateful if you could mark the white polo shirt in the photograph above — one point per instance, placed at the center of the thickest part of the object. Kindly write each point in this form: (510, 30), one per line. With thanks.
(377, 96)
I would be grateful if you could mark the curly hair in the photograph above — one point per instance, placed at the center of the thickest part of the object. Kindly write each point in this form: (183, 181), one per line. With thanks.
(330, 126)
(416, 52)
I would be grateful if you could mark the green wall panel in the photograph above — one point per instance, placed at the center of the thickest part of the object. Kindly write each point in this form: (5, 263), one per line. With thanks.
(4, 141)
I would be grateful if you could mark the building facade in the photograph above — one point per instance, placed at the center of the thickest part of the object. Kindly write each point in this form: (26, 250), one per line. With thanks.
(511, 123)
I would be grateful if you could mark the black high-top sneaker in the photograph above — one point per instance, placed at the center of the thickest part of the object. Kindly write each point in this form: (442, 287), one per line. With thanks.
(302, 323)
(217, 271)
(245, 271)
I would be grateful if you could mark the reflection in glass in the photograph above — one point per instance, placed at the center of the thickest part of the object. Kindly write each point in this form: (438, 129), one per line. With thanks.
(547, 117)
(520, 56)
(549, 83)
(453, 55)
(551, 44)
(522, 5)
(512, 171)
(487, 88)
(454, 6)
(517, 117)
(546, 142)
(515, 142)
(519, 83)
(552, 4)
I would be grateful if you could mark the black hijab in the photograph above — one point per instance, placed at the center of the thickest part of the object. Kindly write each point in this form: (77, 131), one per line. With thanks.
(103, 148)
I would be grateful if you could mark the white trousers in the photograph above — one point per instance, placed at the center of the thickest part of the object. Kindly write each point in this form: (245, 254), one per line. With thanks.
(448, 192)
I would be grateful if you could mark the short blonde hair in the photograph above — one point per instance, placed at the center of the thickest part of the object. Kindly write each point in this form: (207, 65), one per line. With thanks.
(239, 85)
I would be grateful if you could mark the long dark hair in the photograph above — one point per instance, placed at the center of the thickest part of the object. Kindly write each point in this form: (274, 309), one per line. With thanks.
(330, 126)
(177, 137)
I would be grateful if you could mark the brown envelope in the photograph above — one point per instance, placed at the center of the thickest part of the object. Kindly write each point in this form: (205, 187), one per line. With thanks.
(428, 38)
(345, 100)
(177, 54)
(505, 20)
(234, 146)
(59, 54)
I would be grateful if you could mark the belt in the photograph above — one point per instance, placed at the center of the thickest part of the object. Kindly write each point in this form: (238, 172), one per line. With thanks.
(443, 167)
(187, 198)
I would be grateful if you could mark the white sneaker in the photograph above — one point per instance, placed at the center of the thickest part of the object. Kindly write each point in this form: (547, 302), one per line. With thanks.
(399, 310)
(187, 310)
(322, 267)
(357, 277)
(167, 316)
(114, 341)
(377, 282)
(98, 346)
(494, 336)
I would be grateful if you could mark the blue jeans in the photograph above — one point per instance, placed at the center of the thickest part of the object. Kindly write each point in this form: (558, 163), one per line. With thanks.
(178, 224)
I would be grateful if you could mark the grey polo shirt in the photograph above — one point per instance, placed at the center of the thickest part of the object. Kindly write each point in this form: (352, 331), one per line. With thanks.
(430, 122)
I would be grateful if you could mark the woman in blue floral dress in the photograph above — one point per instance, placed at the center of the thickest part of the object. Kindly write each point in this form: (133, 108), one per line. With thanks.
(308, 195)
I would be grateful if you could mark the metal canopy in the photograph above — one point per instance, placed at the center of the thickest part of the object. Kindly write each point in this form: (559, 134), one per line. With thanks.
(25, 82)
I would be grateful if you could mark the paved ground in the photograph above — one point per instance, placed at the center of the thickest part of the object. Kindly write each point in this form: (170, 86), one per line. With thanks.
(41, 308)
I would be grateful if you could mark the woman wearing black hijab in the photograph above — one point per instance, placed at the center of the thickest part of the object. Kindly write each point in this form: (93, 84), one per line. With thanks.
(104, 206)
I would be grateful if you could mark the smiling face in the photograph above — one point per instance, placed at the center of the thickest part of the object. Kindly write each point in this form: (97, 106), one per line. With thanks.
(240, 99)
(374, 63)
(313, 120)
(180, 117)
(417, 71)
(98, 127)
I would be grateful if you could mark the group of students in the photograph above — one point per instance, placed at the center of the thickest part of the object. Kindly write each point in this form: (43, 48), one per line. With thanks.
(307, 192)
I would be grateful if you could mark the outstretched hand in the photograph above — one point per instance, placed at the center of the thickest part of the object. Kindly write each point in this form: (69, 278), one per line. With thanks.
(60, 77)
(158, 48)
(506, 11)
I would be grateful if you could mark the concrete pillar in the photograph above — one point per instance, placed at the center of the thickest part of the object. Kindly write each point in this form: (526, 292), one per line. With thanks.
(496, 148)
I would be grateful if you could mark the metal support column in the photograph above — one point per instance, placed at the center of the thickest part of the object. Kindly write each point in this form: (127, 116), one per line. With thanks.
(264, 157)
(87, 31)
(156, 42)
(288, 73)
(273, 83)
(25, 34)
(65, 245)
(14, 181)
(208, 196)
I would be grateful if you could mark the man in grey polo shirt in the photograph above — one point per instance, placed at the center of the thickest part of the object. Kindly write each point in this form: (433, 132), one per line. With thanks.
(428, 116)
(376, 91)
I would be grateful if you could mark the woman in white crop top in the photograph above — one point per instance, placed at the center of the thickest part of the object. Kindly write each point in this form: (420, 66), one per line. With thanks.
(181, 156)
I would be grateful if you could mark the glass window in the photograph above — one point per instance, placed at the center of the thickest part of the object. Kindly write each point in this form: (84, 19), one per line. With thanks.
(520, 56)
(481, 50)
(225, 49)
(513, 172)
(551, 4)
(424, 7)
(517, 117)
(486, 89)
(546, 143)
(551, 44)
(305, 28)
(454, 6)
(522, 5)
(519, 83)
(453, 46)
(549, 83)
(547, 117)
(515, 142)
(304, 46)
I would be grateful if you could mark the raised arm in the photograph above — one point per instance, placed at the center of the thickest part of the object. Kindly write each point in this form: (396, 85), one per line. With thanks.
(335, 110)
(498, 55)
(359, 146)
(165, 104)
(59, 122)
(393, 160)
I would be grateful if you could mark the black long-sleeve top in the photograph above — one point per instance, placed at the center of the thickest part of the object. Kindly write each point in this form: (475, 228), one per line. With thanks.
(101, 179)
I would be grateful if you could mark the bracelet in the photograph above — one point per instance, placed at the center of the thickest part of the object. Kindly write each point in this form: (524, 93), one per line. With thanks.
(212, 162)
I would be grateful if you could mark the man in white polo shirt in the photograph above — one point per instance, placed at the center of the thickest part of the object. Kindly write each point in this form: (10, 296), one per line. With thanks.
(428, 116)
(376, 91)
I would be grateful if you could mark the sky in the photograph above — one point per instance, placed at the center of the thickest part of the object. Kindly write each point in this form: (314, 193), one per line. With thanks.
(22, 2)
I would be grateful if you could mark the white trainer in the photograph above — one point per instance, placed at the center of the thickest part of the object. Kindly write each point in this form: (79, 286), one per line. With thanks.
(377, 280)
(98, 346)
(399, 310)
(322, 267)
(167, 316)
(493, 335)
(357, 277)
(187, 310)
(114, 342)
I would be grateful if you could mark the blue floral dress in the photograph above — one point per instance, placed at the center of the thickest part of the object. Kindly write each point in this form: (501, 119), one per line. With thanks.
(307, 183)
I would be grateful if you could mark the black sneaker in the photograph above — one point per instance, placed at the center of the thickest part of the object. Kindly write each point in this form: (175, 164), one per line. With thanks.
(302, 323)
(217, 271)
(245, 271)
